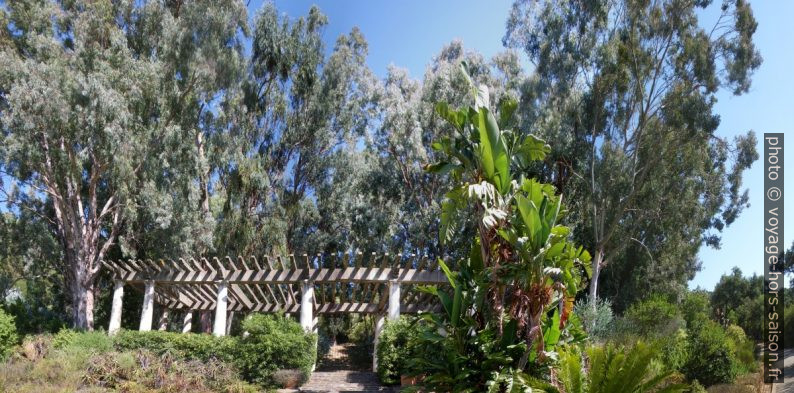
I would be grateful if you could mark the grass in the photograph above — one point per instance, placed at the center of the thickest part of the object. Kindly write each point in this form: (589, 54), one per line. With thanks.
(39, 368)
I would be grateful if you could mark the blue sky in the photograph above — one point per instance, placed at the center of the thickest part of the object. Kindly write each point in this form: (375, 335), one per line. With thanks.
(409, 33)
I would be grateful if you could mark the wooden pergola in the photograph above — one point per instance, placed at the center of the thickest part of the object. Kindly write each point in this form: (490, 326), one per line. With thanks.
(380, 284)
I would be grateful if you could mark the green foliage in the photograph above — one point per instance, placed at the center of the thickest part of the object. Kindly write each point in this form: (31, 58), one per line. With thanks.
(511, 298)
(744, 348)
(674, 349)
(8, 334)
(696, 307)
(614, 370)
(616, 91)
(396, 346)
(91, 342)
(274, 342)
(788, 325)
(202, 347)
(711, 360)
(596, 319)
(654, 317)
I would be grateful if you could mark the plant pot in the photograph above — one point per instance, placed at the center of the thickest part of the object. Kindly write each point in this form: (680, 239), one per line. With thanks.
(288, 378)
(406, 380)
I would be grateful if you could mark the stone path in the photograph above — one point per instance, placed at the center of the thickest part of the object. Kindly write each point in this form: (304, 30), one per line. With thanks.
(788, 372)
(337, 373)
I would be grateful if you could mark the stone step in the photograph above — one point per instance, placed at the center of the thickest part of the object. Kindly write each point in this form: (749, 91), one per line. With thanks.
(342, 381)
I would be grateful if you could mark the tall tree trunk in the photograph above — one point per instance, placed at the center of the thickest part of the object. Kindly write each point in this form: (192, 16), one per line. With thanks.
(83, 304)
(598, 260)
(206, 321)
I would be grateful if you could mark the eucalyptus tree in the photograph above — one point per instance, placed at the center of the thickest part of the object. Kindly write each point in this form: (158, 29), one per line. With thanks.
(284, 127)
(405, 128)
(627, 91)
(99, 118)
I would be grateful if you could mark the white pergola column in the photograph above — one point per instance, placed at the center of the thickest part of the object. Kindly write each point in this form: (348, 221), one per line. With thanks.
(379, 322)
(148, 307)
(307, 306)
(163, 325)
(115, 309)
(187, 322)
(394, 300)
(219, 327)
(229, 322)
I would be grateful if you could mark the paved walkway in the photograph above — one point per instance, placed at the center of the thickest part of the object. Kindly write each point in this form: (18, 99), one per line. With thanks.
(788, 372)
(338, 373)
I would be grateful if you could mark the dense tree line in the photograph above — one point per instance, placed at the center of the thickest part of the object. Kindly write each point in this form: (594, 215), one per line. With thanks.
(148, 130)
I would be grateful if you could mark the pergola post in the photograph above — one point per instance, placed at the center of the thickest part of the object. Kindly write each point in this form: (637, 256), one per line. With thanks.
(163, 325)
(229, 322)
(394, 300)
(379, 322)
(148, 307)
(219, 327)
(115, 311)
(187, 322)
(307, 306)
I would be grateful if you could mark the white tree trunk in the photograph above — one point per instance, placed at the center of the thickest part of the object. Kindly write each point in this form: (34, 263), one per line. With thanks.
(163, 325)
(597, 262)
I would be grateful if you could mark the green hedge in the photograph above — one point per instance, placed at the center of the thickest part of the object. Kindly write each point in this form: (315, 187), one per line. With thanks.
(273, 342)
(8, 334)
(184, 345)
(395, 349)
(711, 359)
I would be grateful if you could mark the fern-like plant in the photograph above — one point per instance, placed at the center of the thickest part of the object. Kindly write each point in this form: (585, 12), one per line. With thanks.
(612, 369)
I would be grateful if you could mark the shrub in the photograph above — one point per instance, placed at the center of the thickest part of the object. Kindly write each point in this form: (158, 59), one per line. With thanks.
(8, 334)
(711, 360)
(674, 350)
(92, 342)
(394, 350)
(596, 320)
(788, 326)
(192, 346)
(274, 342)
(743, 347)
(615, 369)
(654, 317)
(695, 307)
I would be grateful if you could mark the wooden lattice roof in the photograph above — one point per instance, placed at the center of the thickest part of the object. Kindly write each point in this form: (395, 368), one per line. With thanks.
(342, 283)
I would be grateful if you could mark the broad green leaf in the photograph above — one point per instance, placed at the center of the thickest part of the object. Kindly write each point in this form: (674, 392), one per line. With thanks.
(534, 148)
(493, 152)
(451, 277)
(506, 110)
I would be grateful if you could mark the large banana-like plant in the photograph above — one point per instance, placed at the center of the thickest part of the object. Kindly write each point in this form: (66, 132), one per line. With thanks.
(518, 284)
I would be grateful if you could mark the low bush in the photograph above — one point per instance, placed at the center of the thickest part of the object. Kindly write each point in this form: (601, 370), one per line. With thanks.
(274, 342)
(8, 334)
(674, 350)
(654, 317)
(93, 342)
(192, 346)
(712, 360)
(596, 319)
(395, 348)
(743, 348)
(788, 326)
